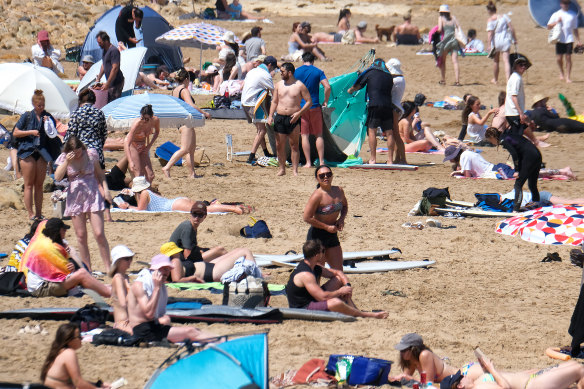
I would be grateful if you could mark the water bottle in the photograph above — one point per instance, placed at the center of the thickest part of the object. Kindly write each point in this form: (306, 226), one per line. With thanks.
(502, 173)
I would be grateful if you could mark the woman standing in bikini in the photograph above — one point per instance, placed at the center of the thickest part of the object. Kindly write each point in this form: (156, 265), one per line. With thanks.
(325, 212)
(188, 137)
(138, 143)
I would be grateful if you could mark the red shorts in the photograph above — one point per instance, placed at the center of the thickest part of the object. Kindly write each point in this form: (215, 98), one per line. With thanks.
(311, 122)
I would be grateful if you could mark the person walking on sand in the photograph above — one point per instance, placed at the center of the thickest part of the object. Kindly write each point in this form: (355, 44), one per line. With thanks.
(501, 35)
(568, 21)
(288, 95)
(138, 143)
(447, 25)
(311, 122)
(380, 109)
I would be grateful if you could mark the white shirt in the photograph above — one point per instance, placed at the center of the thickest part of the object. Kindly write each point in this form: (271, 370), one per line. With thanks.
(469, 160)
(397, 92)
(145, 277)
(514, 88)
(475, 46)
(569, 23)
(476, 131)
(256, 81)
(38, 54)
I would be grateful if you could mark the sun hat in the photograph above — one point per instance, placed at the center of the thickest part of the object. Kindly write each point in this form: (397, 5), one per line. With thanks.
(88, 58)
(260, 58)
(43, 35)
(518, 59)
(450, 380)
(444, 8)
(537, 98)
(409, 340)
(394, 67)
(119, 252)
(451, 152)
(160, 260)
(362, 24)
(229, 36)
(139, 184)
(169, 249)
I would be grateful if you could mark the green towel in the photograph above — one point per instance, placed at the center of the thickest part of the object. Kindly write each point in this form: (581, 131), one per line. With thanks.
(215, 285)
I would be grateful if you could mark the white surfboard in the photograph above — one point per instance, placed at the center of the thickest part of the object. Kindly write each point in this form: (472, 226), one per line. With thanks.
(266, 259)
(374, 267)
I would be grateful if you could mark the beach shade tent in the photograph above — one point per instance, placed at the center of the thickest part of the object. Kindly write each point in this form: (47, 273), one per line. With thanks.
(172, 112)
(239, 362)
(202, 36)
(18, 82)
(557, 224)
(153, 25)
(130, 63)
(542, 10)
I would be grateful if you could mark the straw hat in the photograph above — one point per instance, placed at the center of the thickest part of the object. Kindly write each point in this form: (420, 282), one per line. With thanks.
(537, 98)
(139, 184)
(444, 8)
(229, 37)
(394, 67)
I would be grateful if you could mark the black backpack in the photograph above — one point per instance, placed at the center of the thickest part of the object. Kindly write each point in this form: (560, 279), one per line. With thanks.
(89, 317)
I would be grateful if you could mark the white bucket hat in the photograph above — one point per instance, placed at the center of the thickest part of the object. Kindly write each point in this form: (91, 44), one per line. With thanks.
(139, 184)
(444, 8)
(229, 36)
(394, 67)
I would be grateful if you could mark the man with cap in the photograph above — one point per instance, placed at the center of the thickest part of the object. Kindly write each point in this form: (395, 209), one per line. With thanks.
(110, 67)
(360, 34)
(515, 99)
(147, 301)
(128, 16)
(380, 111)
(568, 21)
(45, 55)
(255, 45)
(311, 122)
(547, 119)
(257, 81)
(86, 63)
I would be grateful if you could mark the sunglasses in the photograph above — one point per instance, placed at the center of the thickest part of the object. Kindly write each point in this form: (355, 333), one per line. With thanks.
(198, 215)
(322, 176)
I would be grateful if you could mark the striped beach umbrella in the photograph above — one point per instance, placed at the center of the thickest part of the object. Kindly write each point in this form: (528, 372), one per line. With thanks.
(557, 224)
(172, 112)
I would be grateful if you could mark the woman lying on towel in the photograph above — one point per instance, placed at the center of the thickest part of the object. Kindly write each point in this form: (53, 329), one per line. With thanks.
(61, 367)
(561, 376)
(417, 135)
(148, 200)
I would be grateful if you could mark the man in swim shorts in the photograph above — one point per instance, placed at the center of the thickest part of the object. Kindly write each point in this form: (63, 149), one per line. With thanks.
(288, 96)
(304, 290)
(407, 33)
(147, 306)
(568, 21)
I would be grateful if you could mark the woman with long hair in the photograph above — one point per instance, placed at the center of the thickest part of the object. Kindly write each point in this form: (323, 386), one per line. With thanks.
(325, 211)
(343, 25)
(34, 151)
(138, 143)
(501, 35)
(476, 126)
(416, 135)
(188, 137)
(85, 196)
(447, 25)
(122, 258)
(61, 367)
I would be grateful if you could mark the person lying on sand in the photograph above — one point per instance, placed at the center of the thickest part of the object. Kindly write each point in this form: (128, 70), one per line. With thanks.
(304, 290)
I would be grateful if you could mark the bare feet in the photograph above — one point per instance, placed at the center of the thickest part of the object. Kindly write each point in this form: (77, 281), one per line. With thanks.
(568, 81)
(281, 172)
(195, 175)
(166, 172)
(570, 173)
(372, 162)
(307, 166)
(376, 314)
(494, 82)
(295, 172)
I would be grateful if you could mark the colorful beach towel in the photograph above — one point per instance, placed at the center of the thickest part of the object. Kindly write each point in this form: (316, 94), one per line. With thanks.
(45, 258)
(261, 109)
(217, 287)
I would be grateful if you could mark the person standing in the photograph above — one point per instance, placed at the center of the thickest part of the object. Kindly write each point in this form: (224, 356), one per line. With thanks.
(447, 25)
(311, 122)
(501, 35)
(125, 25)
(138, 142)
(287, 105)
(110, 67)
(397, 93)
(257, 82)
(515, 98)
(379, 83)
(45, 55)
(255, 45)
(569, 32)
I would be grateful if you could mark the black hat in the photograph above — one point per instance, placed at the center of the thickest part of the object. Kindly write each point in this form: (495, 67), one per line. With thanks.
(451, 152)
(517, 59)
(54, 224)
(447, 382)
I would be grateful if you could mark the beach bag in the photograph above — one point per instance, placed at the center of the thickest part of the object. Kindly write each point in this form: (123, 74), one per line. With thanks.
(349, 38)
(554, 34)
(89, 317)
(259, 229)
(209, 14)
(115, 337)
(11, 282)
(460, 36)
(221, 102)
(364, 370)
(312, 371)
(248, 293)
(492, 202)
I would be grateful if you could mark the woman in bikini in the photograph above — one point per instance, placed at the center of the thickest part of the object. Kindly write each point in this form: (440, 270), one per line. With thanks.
(424, 139)
(325, 212)
(343, 25)
(188, 137)
(122, 258)
(61, 368)
(138, 143)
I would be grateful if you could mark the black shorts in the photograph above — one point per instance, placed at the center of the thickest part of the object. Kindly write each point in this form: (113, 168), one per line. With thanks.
(115, 179)
(151, 331)
(282, 124)
(189, 267)
(327, 239)
(380, 117)
(515, 125)
(564, 48)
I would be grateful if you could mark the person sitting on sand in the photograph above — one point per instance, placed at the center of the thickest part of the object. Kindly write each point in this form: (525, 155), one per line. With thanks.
(147, 306)
(360, 34)
(300, 42)
(414, 356)
(86, 63)
(122, 258)
(156, 80)
(138, 142)
(407, 33)
(562, 376)
(186, 270)
(422, 139)
(474, 44)
(476, 124)
(233, 11)
(303, 289)
(61, 367)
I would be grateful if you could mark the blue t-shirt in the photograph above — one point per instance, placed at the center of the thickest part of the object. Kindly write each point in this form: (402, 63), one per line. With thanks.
(311, 76)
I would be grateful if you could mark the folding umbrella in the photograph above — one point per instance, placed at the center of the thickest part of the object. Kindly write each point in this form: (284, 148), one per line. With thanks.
(18, 82)
(557, 224)
(172, 112)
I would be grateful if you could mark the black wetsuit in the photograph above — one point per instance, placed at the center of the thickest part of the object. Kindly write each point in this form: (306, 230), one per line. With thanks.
(549, 121)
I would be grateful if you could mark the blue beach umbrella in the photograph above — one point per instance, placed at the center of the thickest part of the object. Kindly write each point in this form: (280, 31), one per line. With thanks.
(172, 112)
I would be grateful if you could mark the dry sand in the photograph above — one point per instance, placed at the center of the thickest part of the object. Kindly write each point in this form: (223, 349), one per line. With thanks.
(485, 289)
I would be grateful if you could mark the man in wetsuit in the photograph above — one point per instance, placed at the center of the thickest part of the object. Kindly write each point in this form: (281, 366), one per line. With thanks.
(288, 95)
(304, 290)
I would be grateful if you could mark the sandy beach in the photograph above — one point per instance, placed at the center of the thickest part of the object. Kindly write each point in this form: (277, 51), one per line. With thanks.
(485, 289)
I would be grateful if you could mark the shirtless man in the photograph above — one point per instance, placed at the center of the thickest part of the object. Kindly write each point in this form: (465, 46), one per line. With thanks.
(288, 95)
(147, 306)
(406, 33)
(137, 143)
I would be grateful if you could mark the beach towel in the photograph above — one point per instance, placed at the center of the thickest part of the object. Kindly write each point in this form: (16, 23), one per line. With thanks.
(46, 259)
(261, 109)
(217, 287)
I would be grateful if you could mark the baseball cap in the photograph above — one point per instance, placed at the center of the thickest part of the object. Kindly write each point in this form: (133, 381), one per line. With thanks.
(56, 224)
(160, 261)
(43, 35)
(169, 249)
(199, 207)
(409, 340)
(260, 58)
(450, 380)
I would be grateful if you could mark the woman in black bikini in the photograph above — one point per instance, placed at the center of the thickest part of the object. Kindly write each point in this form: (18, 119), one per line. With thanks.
(325, 212)
(188, 138)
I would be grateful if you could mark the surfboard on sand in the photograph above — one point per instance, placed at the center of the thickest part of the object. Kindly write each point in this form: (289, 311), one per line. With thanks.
(542, 10)
(374, 267)
(383, 166)
(266, 259)
(455, 203)
(475, 213)
(306, 314)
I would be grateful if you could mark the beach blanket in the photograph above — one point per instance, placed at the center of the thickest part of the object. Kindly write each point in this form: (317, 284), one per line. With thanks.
(144, 211)
(46, 259)
(217, 287)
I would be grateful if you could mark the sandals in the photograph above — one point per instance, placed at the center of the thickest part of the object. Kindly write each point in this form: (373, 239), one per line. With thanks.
(442, 82)
(552, 257)
(457, 83)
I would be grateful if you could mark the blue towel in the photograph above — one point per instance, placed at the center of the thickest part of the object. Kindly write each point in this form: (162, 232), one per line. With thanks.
(166, 150)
